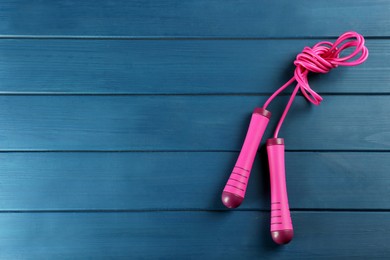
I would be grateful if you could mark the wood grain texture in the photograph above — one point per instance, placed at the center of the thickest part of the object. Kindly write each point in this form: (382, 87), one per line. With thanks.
(120, 122)
(175, 67)
(186, 123)
(205, 18)
(186, 181)
(191, 235)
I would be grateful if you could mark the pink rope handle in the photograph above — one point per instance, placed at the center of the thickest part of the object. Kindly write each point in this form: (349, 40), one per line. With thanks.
(321, 58)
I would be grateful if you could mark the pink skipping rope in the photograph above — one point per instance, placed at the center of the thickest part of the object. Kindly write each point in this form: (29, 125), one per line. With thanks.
(321, 58)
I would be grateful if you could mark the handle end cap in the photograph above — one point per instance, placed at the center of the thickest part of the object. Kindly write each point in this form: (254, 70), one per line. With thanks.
(231, 200)
(282, 237)
(275, 141)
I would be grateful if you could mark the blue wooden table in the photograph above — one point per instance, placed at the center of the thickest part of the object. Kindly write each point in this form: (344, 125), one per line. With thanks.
(120, 122)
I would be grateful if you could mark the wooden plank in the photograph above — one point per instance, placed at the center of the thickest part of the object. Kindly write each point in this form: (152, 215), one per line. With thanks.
(161, 67)
(191, 235)
(142, 181)
(204, 18)
(186, 122)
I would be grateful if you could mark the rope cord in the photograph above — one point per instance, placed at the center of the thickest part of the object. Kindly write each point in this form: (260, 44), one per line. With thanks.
(321, 58)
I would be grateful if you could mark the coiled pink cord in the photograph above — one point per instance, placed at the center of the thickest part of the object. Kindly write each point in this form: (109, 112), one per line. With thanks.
(321, 58)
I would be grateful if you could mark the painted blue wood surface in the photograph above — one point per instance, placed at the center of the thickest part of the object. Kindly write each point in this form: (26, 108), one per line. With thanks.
(202, 18)
(190, 123)
(191, 235)
(175, 67)
(120, 122)
(186, 181)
